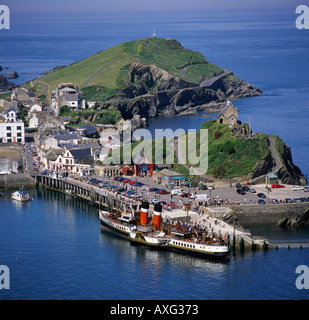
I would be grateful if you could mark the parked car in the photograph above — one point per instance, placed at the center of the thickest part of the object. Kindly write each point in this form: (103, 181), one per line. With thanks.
(241, 191)
(45, 172)
(297, 200)
(261, 201)
(304, 199)
(185, 194)
(251, 190)
(35, 169)
(306, 188)
(277, 186)
(171, 205)
(261, 195)
(211, 187)
(288, 200)
(139, 184)
(297, 188)
(163, 191)
(275, 201)
(238, 185)
(202, 187)
(246, 188)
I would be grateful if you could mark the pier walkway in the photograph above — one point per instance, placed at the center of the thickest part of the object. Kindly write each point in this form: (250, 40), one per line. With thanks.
(74, 187)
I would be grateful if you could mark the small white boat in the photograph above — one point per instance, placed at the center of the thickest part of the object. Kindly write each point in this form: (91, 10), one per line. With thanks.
(21, 196)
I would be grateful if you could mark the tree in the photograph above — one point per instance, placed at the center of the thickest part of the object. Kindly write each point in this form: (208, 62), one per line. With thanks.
(64, 110)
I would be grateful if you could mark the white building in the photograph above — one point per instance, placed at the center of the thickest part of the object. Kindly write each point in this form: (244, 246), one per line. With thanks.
(67, 94)
(11, 131)
(70, 161)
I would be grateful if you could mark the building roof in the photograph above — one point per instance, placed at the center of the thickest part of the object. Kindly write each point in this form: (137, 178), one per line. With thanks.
(170, 173)
(271, 176)
(78, 154)
(228, 105)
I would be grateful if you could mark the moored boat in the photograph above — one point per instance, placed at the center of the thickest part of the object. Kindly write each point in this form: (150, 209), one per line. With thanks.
(140, 229)
(21, 196)
(117, 223)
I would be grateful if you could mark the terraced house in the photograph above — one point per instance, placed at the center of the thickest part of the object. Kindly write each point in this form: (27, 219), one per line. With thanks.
(12, 129)
(67, 94)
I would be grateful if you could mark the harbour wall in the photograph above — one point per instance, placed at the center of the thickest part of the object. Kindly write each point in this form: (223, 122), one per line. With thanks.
(267, 214)
(16, 181)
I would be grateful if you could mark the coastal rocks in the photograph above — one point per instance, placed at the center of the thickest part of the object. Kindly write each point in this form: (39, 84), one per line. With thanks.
(263, 167)
(145, 78)
(136, 122)
(289, 173)
(294, 222)
(5, 84)
(232, 219)
(235, 89)
(152, 91)
(11, 75)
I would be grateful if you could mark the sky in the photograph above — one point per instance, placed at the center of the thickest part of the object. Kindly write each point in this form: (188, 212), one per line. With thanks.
(30, 7)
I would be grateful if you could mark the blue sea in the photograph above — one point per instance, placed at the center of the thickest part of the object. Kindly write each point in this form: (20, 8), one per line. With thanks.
(53, 245)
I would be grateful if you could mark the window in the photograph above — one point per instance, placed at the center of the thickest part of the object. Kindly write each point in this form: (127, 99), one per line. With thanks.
(18, 134)
(9, 140)
(18, 140)
(8, 128)
(19, 128)
(9, 134)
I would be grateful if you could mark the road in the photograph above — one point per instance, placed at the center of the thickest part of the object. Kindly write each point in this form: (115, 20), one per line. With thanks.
(274, 154)
(210, 81)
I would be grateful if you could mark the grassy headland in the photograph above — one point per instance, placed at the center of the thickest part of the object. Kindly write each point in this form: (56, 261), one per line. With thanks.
(105, 74)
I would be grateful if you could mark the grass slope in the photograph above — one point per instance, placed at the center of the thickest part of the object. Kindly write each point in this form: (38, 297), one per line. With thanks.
(105, 73)
(228, 157)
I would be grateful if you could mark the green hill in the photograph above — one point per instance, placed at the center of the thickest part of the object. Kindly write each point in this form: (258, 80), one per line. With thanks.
(105, 73)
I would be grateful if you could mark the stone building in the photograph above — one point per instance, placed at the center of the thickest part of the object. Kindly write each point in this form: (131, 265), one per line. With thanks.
(229, 115)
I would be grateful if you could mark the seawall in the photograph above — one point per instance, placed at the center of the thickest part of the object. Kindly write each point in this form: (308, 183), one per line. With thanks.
(266, 214)
(16, 181)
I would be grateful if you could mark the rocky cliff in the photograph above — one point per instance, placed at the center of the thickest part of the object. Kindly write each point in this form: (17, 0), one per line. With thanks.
(5, 84)
(152, 91)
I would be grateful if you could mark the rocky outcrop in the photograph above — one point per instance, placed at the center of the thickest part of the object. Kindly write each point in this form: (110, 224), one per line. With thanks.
(294, 222)
(11, 75)
(152, 91)
(5, 84)
(232, 219)
(289, 173)
(263, 167)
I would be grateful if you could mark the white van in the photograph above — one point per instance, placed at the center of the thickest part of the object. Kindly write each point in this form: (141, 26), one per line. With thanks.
(306, 189)
(202, 197)
(176, 191)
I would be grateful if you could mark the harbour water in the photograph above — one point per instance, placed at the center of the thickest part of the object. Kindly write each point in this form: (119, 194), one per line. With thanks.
(54, 249)
(53, 245)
